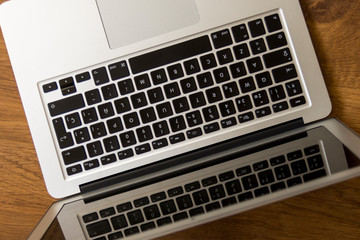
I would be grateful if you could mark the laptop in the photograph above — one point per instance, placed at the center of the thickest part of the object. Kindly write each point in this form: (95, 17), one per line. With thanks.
(150, 117)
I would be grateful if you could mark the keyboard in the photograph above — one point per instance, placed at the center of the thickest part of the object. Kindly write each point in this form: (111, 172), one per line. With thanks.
(208, 84)
(199, 193)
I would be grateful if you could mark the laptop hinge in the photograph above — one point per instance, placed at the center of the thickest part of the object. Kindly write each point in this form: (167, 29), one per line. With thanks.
(185, 162)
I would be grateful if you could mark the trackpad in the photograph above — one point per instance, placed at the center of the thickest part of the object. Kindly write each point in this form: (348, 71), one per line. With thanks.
(130, 21)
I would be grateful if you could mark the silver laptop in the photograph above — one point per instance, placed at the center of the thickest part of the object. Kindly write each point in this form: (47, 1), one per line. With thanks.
(153, 116)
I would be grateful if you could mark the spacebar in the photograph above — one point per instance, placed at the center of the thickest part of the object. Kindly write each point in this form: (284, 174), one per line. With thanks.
(170, 54)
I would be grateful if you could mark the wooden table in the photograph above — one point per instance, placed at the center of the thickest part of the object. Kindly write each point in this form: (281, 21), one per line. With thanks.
(330, 213)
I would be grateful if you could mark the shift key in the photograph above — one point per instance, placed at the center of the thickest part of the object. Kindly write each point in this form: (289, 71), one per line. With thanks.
(66, 105)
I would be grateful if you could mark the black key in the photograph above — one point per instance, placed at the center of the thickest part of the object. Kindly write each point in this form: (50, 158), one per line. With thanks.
(106, 110)
(188, 85)
(196, 211)
(229, 122)
(247, 84)
(124, 207)
(111, 144)
(208, 61)
(254, 65)
(211, 128)
(230, 90)
(209, 181)
(266, 177)
(107, 212)
(249, 182)
(82, 77)
(315, 162)
(295, 102)
(81, 135)
(277, 93)
(141, 202)
(221, 75)
(164, 221)
(114, 125)
(314, 175)
(282, 172)
(212, 206)
(225, 56)
(245, 196)
(184, 202)
(197, 100)
(205, 80)
(293, 88)
(240, 33)
(227, 108)
(119, 70)
(142, 149)
(131, 120)
(280, 106)
(294, 181)
(100, 76)
(258, 46)
(294, 155)
(108, 159)
(181, 105)
(246, 117)
(155, 95)
(89, 115)
(277, 58)
(158, 76)
(260, 165)
(151, 212)
(126, 86)
(221, 38)
(139, 100)
(261, 191)
(262, 112)
(276, 40)
(98, 130)
(135, 217)
(238, 70)
(115, 236)
(90, 217)
(142, 81)
(72, 120)
(177, 138)
(177, 124)
(125, 154)
(273, 22)
(200, 197)
(122, 105)
(158, 197)
(66, 105)
(243, 171)
(98, 228)
(284, 73)
(191, 66)
(260, 98)
(64, 138)
(298, 167)
(312, 150)
(214, 95)
(256, 28)
(161, 128)
(74, 155)
(147, 115)
(192, 186)
(168, 207)
(210, 113)
(147, 226)
(93, 97)
(175, 71)
(49, 87)
(277, 186)
(109, 91)
(277, 160)
(194, 118)
(228, 201)
(180, 216)
(94, 149)
(241, 51)
(197, 132)
(243, 103)
(164, 110)
(263, 79)
(233, 187)
(91, 164)
(127, 139)
(175, 191)
(67, 86)
(131, 231)
(226, 176)
(170, 54)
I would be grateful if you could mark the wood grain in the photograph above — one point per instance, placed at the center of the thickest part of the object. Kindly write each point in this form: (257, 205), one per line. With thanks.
(329, 213)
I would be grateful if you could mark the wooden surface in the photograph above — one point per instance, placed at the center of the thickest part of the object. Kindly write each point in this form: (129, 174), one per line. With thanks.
(329, 213)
